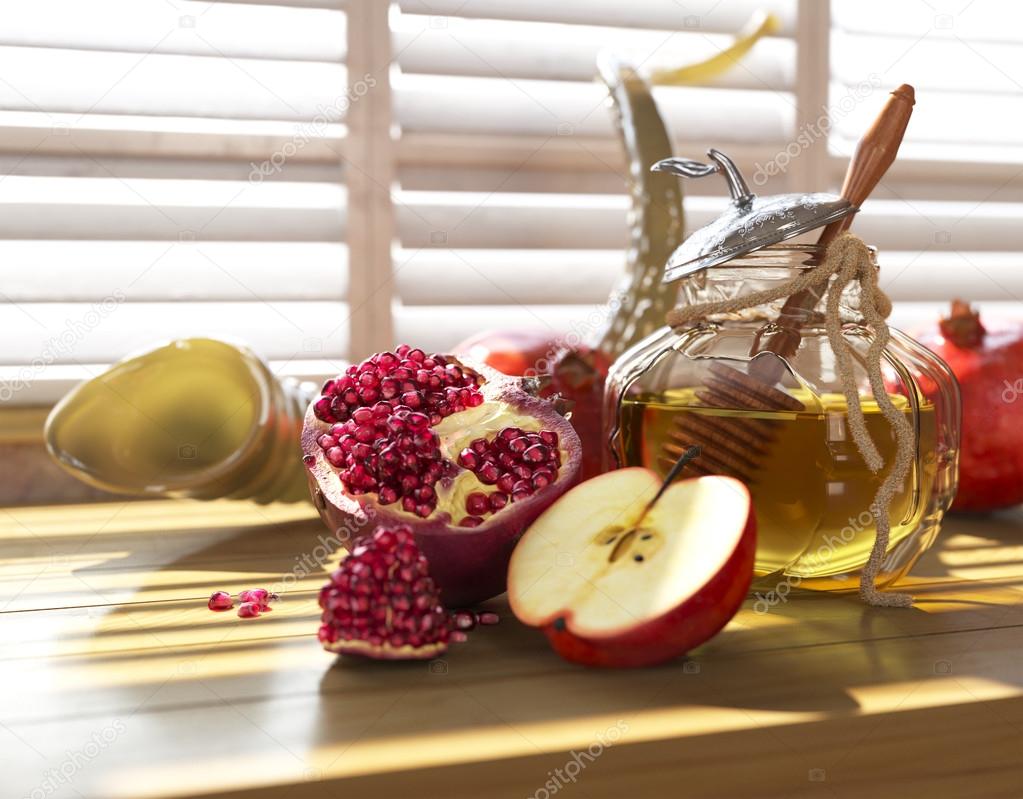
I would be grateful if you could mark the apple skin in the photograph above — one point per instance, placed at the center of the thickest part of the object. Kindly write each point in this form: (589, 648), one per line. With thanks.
(676, 632)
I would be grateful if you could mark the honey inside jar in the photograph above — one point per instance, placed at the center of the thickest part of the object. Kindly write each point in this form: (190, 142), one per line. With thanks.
(811, 487)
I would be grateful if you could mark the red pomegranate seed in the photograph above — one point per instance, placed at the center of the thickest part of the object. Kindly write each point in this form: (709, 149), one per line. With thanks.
(509, 433)
(536, 453)
(362, 415)
(322, 409)
(505, 482)
(523, 485)
(497, 501)
(470, 521)
(488, 618)
(488, 474)
(258, 596)
(518, 445)
(220, 600)
(464, 620)
(458, 637)
(248, 610)
(476, 504)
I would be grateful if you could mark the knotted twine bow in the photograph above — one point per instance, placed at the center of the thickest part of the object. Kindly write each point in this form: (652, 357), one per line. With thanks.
(848, 259)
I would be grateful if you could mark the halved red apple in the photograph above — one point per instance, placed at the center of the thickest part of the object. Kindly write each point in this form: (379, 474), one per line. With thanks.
(614, 581)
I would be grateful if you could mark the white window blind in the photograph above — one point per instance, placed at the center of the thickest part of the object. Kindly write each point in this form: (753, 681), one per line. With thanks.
(320, 178)
(170, 168)
(946, 217)
(512, 207)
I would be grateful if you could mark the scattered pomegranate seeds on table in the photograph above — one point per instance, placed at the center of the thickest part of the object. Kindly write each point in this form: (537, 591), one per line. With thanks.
(255, 601)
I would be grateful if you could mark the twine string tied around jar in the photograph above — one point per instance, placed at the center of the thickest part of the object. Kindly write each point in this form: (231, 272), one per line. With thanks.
(847, 260)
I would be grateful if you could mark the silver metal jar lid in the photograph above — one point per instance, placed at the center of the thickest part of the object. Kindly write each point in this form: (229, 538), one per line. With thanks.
(750, 222)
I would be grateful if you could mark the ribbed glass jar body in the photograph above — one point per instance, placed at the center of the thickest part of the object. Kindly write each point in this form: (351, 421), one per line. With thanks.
(812, 489)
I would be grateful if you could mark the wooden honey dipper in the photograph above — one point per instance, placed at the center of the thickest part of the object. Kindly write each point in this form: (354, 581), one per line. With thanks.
(736, 446)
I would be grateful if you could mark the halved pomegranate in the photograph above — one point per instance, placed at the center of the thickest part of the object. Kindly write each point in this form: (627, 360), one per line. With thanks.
(464, 455)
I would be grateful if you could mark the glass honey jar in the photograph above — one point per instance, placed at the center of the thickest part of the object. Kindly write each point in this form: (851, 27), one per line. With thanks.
(811, 487)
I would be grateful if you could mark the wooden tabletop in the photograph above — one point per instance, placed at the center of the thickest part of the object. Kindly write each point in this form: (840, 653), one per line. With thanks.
(118, 682)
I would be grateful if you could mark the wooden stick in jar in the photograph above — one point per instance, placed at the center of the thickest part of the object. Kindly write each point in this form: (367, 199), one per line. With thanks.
(875, 153)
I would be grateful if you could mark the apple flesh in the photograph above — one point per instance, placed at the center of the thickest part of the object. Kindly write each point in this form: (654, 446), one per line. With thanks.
(610, 586)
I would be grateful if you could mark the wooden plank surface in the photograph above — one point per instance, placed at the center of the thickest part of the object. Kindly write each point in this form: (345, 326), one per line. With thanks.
(118, 682)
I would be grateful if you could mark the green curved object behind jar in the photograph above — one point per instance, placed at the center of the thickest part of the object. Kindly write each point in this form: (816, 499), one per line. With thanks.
(655, 218)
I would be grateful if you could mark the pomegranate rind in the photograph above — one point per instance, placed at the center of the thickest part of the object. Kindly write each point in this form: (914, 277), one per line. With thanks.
(386, 651)
(469, 565)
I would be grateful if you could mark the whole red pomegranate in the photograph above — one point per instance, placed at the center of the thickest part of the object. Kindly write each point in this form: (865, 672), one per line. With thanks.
(987, 359)
(464, 455)
(575, 373)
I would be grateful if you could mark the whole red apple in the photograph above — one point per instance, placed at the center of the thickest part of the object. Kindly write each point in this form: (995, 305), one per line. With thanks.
(613, 583)
(987, 359)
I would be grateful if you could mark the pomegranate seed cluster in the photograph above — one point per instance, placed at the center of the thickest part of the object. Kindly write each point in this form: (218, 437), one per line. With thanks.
(382, 598)
(406, 377)
(381, 412)
(517, 463)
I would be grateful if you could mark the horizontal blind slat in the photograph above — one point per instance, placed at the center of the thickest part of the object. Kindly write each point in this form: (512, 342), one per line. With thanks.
(174, 210)
(133, 83)
(539, 277)
(39, 334)
(421, 324)
(564, 164)
(930, 225)
(439, 328)
(959, 120)
(931, 65)
(706, 15)
(939, 276)
(149, 271)
(541, 51)
(494, 277)
(984, 20)
(108, 166)
(182, 27)
(87, 136)
(468, 219)
(553, 108)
